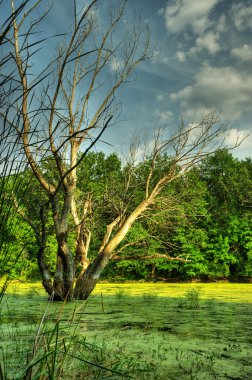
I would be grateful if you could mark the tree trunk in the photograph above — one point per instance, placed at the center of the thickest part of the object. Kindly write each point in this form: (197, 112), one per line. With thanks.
(86, 282)
(64, 274)
(66, 267)
(153, 272)
(45, 272)
(58, 284)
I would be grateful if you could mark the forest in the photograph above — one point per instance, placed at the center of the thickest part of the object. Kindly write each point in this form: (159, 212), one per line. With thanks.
(200, 228)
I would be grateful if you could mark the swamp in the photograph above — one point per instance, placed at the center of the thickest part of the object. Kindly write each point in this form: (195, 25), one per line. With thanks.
(125, 190)
(131, 330)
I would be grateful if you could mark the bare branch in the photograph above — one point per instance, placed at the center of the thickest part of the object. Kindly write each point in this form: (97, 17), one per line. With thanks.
(108, 233)
(151, 257)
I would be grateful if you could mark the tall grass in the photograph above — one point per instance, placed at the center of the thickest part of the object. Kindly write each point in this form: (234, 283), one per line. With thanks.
(52, 348)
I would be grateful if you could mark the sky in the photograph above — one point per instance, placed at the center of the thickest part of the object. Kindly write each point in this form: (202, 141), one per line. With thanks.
(202, 59)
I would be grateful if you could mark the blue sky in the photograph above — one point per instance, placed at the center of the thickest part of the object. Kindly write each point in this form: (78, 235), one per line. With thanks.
(202, 59)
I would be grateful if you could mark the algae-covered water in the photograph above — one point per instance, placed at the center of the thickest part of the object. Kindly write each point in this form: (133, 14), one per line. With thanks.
(154, 331)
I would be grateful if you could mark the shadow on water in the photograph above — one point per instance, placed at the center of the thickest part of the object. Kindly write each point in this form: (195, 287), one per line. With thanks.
(208, 339)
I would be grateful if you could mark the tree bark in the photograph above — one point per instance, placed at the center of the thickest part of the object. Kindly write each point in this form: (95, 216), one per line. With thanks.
(45, 273)
(58, 283)
(64, 274)
(86, 283)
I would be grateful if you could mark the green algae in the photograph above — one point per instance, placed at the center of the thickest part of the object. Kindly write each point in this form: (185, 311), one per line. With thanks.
(148, 328)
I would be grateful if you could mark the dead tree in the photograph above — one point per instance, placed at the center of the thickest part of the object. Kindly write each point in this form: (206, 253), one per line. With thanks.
(63, 119)
(186, 148)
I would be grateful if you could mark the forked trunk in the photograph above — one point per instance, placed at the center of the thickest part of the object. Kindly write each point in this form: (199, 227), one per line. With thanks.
(84, 286)
(64, 277)
(63, 284)
(86, 282)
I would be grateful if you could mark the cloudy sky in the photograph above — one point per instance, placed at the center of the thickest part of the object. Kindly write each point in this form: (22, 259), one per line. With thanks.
(202, 59)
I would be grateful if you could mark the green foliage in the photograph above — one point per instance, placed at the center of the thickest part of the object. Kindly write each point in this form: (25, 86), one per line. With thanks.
(98, 173)
(204, 217)
(133, 269)
(19, 250)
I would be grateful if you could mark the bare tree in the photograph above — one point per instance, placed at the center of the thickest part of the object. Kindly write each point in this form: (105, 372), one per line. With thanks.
(185, 149)
(63, 121)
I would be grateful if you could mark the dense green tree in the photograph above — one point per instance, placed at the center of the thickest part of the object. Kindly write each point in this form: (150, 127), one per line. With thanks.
(202, 235)
(229, 184)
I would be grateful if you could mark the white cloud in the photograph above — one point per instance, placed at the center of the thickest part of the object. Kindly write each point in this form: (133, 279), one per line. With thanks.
(195, 131)
(194, 14)
(221, 24)
(160, 97)
(155, 56)
(159, 57)
(164, 117)
(183, 13)
(244, 149)
(225, 89)
(200, 25)
(181, 56)
(234, 136)
(243, 53)
(242, 16)
(160, 12)
(164, 59)
(208, 41)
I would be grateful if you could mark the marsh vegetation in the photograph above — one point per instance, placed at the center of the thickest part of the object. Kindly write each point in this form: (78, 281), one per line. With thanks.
(132, 330)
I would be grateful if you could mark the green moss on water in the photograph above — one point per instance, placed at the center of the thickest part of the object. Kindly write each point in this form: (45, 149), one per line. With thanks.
(150, 330)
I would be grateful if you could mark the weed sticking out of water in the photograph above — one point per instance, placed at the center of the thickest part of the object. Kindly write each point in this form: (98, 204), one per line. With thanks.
(191, 299)
(31, 293)
(188, 365)
(121, 296)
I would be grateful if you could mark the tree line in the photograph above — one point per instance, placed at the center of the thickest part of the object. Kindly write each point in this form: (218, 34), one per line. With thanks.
(200, 228)
(78, 211)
